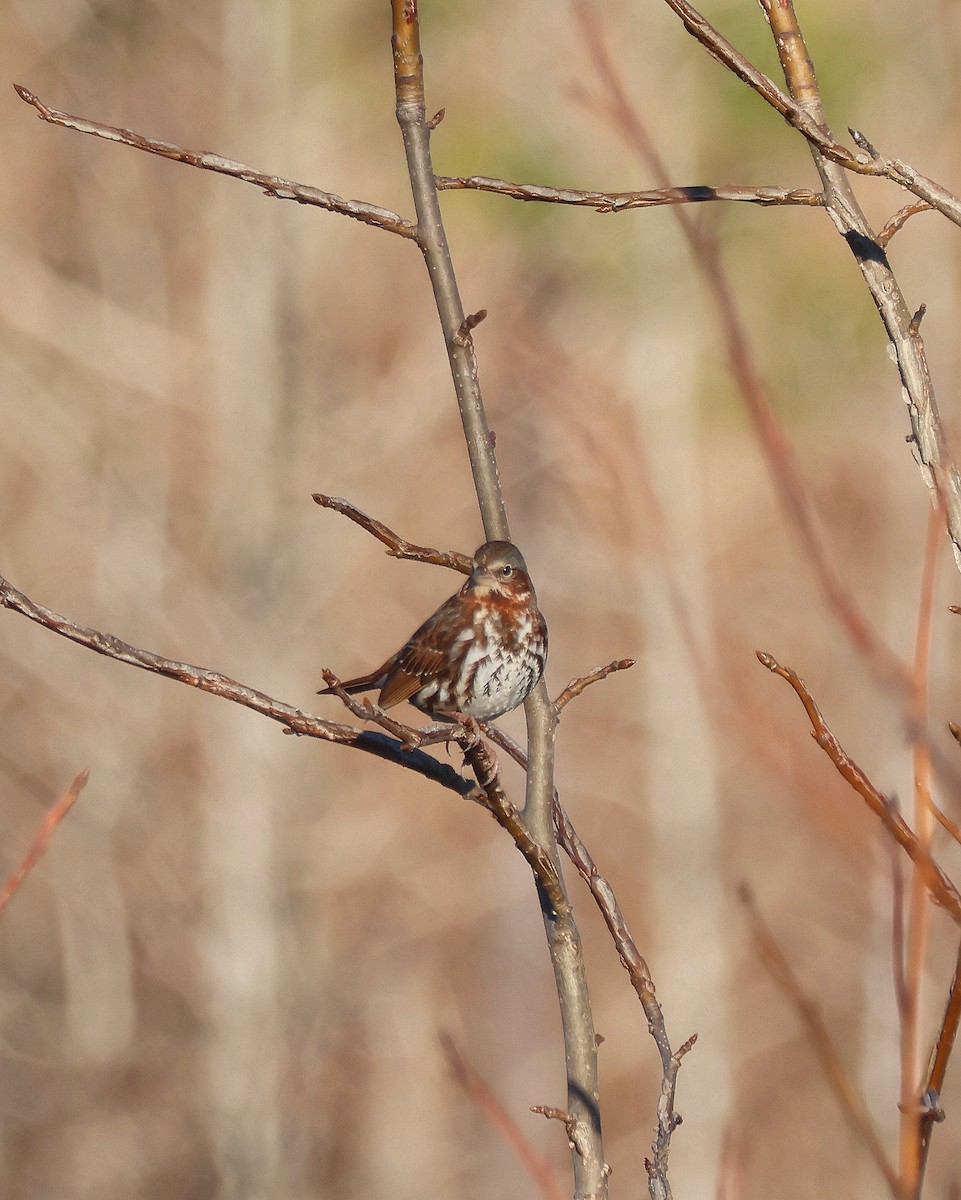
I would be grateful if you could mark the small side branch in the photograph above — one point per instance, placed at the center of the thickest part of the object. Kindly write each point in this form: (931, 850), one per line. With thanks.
(576, 686)
(50, 822)
(397, 547)
(272, 185)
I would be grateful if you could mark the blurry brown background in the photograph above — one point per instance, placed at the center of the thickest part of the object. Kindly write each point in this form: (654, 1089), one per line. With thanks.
(229, 975)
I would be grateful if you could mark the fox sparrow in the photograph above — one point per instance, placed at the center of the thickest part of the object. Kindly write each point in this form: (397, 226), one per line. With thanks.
(479, 654)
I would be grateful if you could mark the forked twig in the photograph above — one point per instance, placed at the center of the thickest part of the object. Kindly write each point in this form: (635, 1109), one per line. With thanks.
(51, 820)
(868, 161)
(931, 1112)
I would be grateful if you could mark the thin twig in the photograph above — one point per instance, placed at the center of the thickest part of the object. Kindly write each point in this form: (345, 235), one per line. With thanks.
(271, 185)
(943, 891)
(293, 719)
(397, 547)
(576, 686)
(614, 202)
(482, 1096)
(852, 1105)
(51, 820)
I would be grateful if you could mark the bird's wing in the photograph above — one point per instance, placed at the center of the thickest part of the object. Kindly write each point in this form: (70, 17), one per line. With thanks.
(415, 666)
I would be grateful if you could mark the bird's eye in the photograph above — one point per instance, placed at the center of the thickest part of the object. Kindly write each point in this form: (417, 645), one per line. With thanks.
(507, 571)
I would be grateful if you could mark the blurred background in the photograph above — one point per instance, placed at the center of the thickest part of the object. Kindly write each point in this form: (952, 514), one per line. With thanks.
(230, 975)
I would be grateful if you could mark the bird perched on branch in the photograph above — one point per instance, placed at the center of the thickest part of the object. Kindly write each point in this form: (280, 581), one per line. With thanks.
(481, 652)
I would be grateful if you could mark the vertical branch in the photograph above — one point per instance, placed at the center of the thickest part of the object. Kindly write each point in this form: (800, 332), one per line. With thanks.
(432, 239)
(567, 958)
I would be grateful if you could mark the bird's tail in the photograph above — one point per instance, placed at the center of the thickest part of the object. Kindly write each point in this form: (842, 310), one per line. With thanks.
(363, 683)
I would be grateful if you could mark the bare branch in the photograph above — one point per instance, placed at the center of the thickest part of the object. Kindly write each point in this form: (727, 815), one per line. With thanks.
(614, 202)
(397, 547)
(293, 720)
(872, 162)
(942, 890)
(852, 1105)
(272, 185)
(576, 686)
(50, 822)
(563, 938)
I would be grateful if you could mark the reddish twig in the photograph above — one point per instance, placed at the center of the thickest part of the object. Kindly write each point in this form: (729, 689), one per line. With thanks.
(481, 1095)
(271, 185)
(576, 686)
(50, 822)
(852, 1105)
(397, 547)
(900, 219)
(942, 889)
